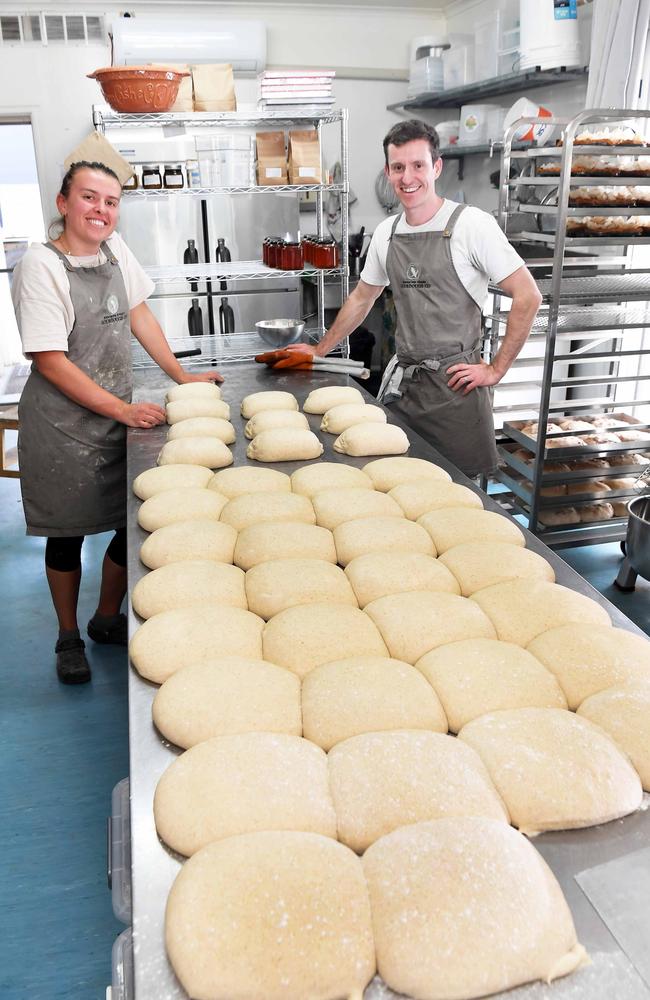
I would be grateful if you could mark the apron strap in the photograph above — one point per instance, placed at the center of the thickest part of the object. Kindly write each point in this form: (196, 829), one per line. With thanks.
(453, 219)
(394, 226)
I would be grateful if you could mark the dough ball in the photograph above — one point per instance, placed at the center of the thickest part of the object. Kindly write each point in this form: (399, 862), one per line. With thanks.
(173, 639)
(193, 390)
(271, 915)
(284, 444)
(553, 769)
(380, 534)
(170, 477)
(624, 713)
(256, 508)
(481, 564)
(323, 399)
(224, 696)
(271, 400)
(284, 583)
(475, 676)
(328, 476)
(419, 498)
(303, 637)
(180, 504)
(381, 781)
(521, 609)
(184, 540)
(412, 624)
(260, 543)
(186, 409)
(186, 584)
(203, 427)
(339, 418)
(335, 506)
(454, 526)
(247, 479)
(476, 892)
(588, 657)
(240, 784)
(389, 472)
(378, 574)
(208, 451)
(372, 439)
(269, 420)
(348, 697)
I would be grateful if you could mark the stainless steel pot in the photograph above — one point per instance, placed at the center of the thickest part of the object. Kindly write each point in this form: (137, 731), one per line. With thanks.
(637, 544)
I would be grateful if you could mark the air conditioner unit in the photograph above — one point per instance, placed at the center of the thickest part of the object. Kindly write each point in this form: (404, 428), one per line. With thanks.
(142, 40)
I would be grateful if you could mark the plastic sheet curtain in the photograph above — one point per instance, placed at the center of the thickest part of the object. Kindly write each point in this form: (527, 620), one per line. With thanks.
(619, 60)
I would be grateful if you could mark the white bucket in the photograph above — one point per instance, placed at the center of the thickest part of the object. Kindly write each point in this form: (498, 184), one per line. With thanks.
(474, 124)
(549, 35)
(523, 108)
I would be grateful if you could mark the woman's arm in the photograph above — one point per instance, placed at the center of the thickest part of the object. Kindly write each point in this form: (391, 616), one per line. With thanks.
(148, 332)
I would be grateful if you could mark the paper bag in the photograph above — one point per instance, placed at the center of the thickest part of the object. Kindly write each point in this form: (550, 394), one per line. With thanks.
(271, 159)
(304, 157)
(96, 149)
(214, 87)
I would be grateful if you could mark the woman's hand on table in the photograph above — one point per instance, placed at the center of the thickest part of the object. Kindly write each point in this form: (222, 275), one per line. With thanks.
(142, 415)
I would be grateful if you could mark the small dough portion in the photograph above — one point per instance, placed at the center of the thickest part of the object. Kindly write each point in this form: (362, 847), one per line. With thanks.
(327, 396)
(247, 479)
(204, 406)
(386, 473)
(624, 713)
(189, 540)
(303, 637)
(174, 639)
(193, 390)
(339, 418)
(285, 583)
(372, 439)
(185, 584)
(419, 498)
(455, 526)
(475, 891)
(381, 781)
(522, 609)
(208, 451)
(203, 427)
(227, 695)
(588, 658)
(475, 676)
(477, 565)
(180, 504)
(378, 574)
(240, 784)
(411, 624)
(284, 444)
(273, 399)
(328, 476)
(170, 477)
(366, 694)
(553, 769)
(261, 543)
(257, 508)
(268, 420)
(380, 534)
(335, 506)
(271, 915)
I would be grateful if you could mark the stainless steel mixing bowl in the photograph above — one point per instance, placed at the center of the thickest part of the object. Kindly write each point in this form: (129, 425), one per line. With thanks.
(278, 333)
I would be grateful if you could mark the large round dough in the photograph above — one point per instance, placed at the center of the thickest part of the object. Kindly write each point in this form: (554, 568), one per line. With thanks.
(476, 892)
(359, 695)
(588, 657)
(481, 564)
(452, 526)
(378, 574)
(381, 781)
(285, 583)
(174, 639)
(180, 504)
(553, 769)
(170, 477)
(243, 783)
(283, 540)
(339, 418)
(227, 695)
(271, 915)
(334, 506)
(475, 676)
(272, 399)
(313, 479)
(372, 439)
(184, 540)
(249, 479)
(380, 534)
(624, 713)
(413, 623)
(208, 451)
(323, 399)
(188, 583)
(256, 508)
(193, 390)
(268, 420)
(203, 427)
(389, 472)
(186, 409)
(303, 637)
(419, 498)
(284, 444)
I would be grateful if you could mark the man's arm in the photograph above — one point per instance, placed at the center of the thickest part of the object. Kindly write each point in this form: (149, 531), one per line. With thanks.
(351, 314)
(148, 332)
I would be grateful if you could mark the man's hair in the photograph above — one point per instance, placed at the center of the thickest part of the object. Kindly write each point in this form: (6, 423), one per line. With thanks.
(409, 130)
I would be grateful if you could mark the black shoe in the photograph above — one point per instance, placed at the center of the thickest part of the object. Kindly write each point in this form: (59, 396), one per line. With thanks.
(113, 631)
(71, 663)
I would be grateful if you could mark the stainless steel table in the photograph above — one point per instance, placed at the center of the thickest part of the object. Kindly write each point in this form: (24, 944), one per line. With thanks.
(604, 871)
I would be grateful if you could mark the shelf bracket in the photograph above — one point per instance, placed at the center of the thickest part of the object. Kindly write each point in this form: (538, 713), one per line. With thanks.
(461, 168)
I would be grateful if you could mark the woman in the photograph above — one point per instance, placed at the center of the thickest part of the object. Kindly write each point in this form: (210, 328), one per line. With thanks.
(78, 299)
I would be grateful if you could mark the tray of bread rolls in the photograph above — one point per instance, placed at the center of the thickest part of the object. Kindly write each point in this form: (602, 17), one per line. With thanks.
(569, 437)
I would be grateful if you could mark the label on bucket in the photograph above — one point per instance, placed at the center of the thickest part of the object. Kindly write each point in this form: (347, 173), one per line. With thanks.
(564, 10)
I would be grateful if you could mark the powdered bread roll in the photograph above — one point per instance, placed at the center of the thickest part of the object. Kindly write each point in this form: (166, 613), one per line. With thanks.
(326, 476)
(180, 504)
(455, 526)
(602, 511)
(232, 483)
(558, 515)
(284, 444)
(283, 540)
(240, 784)
(339, 418)
(553, 769)
(511, 895)
(169, 477)
(620, 508)
(187, 584)
(416, 499)
(268, 420)
(349, 697)
(632, 435)
(378, 574)
(208, 451)
(386, 473)
(481, 564)
(227, 937)
(558, 490)
(380, 534)
(201, 539)
(193, 390)
(372, 439)
(575, 425)
(624, 483)
(271, 400)
(328, 396)
(635, 458)
(186, 409)
(203, 427)
(475, 676)
(257, 508)
(532, 429)
(624, 713)
(565, 442)
(334, 507)
(591, 486)
(225, 696)
(284, 583)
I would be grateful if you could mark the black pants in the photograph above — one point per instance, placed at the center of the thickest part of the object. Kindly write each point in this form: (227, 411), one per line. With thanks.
(64, 554)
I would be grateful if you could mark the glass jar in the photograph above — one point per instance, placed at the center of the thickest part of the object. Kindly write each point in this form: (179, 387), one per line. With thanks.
(326, 254)
(292, 257)
(308, 244)
(173, 176)
(268, 243)
(275, 252)
(193, 174)
(151, 178)
(132, 183)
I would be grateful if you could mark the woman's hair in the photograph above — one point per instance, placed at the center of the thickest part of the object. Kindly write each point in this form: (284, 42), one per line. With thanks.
(58, 224)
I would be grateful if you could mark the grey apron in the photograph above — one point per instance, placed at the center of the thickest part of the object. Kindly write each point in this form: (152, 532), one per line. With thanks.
(438, 325)
(73, 461)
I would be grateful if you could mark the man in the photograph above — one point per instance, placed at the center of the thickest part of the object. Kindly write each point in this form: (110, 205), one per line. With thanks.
(438, 257)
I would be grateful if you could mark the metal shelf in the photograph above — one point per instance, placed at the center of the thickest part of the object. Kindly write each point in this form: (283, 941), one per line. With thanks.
(632, 285)
(550, 240)
(215, 350)
(241, 270)
(506, 84)
(585, 210)
(581, 180)
(251, 189)
(581, 149)
(589, 325)
(103, 117)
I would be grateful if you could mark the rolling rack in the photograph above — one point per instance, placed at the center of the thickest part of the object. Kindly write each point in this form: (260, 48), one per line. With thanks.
(595, 306)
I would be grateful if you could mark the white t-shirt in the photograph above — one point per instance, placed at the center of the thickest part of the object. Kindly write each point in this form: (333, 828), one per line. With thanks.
(480, 251)
(41, 293)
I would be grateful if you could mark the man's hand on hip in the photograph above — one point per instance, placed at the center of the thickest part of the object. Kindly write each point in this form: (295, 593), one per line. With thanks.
(465, 377)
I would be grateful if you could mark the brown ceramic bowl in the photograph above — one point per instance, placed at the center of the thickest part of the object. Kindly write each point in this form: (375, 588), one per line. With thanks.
(139, 89)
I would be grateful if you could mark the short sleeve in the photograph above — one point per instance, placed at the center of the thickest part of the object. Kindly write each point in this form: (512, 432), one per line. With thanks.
(488, 248)
(138, 284)
(374, 271)
(41, 296)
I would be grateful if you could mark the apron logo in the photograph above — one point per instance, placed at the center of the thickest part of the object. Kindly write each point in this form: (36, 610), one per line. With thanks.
(112, 304)
(412, 272)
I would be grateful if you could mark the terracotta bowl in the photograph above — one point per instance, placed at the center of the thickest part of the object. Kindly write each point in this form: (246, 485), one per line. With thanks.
(139, 89)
